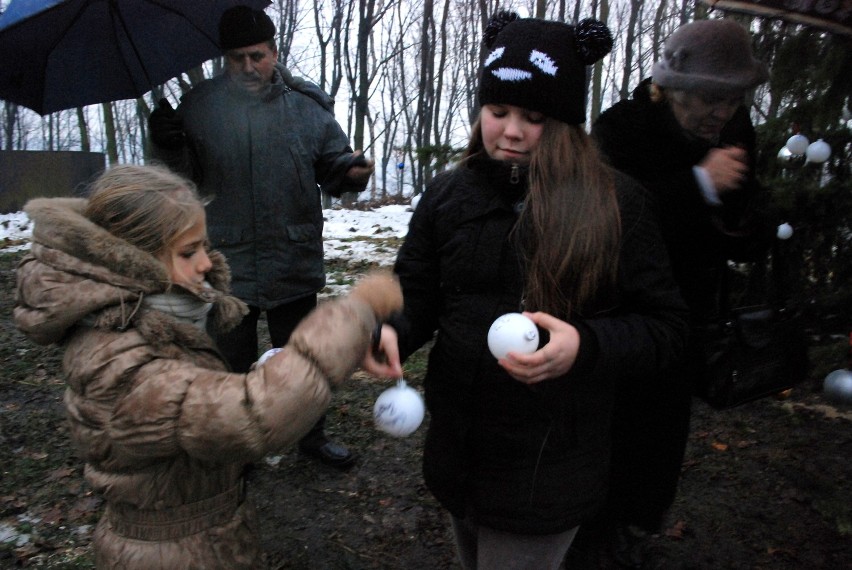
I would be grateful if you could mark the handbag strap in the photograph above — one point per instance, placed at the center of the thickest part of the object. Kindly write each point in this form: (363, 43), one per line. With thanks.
(773, 287)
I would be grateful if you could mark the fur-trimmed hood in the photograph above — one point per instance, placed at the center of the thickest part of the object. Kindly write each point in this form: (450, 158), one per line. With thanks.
(165, 430)
(77, 270)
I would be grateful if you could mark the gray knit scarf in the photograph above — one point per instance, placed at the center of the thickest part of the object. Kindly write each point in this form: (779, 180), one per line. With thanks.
(185, 308)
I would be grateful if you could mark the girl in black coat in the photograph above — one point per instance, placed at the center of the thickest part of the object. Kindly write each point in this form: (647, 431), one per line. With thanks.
(531, 220)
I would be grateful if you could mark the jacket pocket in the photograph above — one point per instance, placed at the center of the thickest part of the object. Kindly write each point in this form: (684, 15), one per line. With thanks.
(302, 233)
(223, 236)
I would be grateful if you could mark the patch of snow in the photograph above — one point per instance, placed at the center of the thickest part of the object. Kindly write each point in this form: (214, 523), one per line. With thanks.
(341, 232)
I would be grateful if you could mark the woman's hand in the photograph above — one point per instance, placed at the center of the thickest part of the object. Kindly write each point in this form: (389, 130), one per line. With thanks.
(552, 360)
(727, 168)
(384, 362)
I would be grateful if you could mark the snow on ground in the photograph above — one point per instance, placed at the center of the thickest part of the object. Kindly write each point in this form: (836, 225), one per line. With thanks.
(342, 234)
(344, 231)
(15, 231)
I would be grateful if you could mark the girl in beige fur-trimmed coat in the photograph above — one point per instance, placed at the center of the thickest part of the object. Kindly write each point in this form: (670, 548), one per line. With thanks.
(124, 283)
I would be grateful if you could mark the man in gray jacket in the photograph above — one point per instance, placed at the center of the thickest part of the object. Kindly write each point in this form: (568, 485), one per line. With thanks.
(261, 144)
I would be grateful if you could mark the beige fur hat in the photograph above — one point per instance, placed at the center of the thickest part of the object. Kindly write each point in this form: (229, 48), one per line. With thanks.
(713, 56)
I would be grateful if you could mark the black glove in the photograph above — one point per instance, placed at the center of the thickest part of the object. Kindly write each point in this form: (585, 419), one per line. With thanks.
(166, 127)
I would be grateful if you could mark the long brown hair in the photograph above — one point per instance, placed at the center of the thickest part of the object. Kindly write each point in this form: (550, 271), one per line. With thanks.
(570, 226)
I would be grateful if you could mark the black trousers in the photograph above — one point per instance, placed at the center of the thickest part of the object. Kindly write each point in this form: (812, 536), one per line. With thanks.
(239, 346)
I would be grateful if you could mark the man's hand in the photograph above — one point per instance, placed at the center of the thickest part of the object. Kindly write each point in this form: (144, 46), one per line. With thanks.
(361, 170)
(166, 127)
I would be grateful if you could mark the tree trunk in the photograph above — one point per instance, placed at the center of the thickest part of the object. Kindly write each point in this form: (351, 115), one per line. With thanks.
(597, 71)
(366, 10)
(85, 146)
(287, 21)
(426, 101)
(635, 10)
(657, 42)
(10, 117)
(109, 132)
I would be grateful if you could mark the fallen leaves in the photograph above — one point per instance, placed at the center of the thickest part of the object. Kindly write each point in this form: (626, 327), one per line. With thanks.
(61, 473)
(677, 530)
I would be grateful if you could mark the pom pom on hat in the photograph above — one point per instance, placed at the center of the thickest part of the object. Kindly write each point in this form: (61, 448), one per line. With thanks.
(242, 26)
(541, 65)
(593, 40)
(713, 56)
(497, 22)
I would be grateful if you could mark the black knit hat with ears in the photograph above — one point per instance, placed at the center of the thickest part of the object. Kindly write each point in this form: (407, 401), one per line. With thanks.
(243, 26)
(541, 65)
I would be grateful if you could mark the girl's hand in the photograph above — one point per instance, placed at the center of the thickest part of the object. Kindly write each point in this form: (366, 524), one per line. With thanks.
(384, 362)
(552, 360)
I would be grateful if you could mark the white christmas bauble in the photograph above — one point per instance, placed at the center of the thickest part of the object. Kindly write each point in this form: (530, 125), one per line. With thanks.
(818, 152)
(838, 386)
(798, 144)
(399, 411)
(512, 332)
(785, 231)
(268, 354)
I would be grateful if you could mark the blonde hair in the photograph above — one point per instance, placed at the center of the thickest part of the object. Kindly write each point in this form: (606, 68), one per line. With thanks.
(570, 225)
(150, 207)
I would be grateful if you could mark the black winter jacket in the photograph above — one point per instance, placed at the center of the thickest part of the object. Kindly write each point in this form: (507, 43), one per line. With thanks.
(518, 458)
(263, 160)
(644, 140)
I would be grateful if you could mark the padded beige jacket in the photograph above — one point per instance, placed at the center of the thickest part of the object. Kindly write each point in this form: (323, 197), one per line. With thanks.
(163, 427)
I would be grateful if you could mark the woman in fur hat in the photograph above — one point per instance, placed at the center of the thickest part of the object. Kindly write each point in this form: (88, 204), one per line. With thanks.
(687, 137)
(530, 220)
(125, 284)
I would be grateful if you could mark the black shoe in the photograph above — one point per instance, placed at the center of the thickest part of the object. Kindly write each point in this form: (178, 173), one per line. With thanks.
(330, 453)
(630, 546)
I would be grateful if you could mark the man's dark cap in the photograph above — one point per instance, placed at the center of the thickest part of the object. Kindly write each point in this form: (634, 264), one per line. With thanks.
(242, 26)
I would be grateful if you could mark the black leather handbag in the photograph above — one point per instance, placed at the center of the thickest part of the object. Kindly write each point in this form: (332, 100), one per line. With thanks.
(757, 350)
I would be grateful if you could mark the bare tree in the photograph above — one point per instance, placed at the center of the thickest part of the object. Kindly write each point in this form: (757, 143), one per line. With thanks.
(426, 101)
(288, 11)
(328, 29)
(83, 125)
(656, 42)
(597, 69)
(109, 131)
(629, 40)
(367, 18)
(393, 97)
(10, 119)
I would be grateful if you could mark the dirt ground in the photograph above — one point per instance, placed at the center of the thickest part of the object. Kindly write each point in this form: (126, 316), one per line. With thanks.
(767, 485)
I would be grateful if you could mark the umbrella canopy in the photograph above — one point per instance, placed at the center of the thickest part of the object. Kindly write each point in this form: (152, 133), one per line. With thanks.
(831, 15)
(60, 54)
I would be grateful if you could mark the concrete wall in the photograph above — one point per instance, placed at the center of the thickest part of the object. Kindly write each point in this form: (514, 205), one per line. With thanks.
(26, 174)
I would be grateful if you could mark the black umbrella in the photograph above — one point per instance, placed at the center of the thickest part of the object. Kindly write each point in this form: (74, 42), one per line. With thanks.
(60, 54)
(832, 15)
